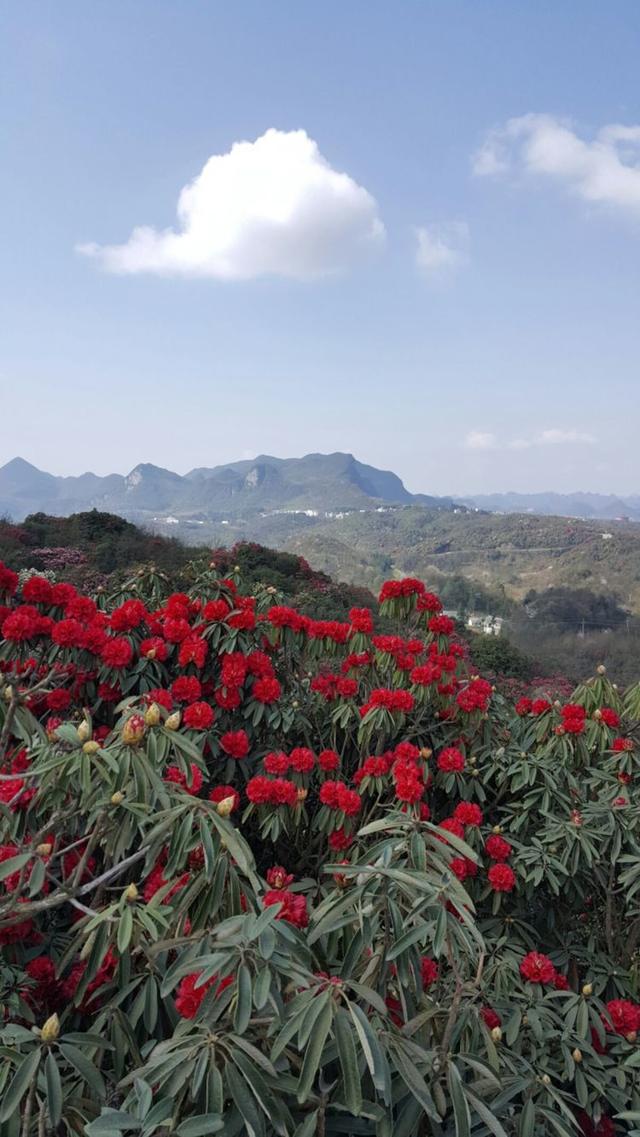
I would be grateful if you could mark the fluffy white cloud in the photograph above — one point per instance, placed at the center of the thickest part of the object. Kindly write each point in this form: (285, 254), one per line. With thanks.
(270, 207)
(441, 248)
(480, 440)
(604, 169)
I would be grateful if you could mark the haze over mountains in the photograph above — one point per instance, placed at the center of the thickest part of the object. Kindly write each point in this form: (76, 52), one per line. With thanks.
(322, 482)
(315, 482)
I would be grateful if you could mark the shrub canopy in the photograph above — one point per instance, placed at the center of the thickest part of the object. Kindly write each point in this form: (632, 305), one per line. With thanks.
(267, 874)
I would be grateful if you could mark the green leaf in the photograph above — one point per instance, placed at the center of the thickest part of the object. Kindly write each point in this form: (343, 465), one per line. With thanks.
(348, 1062)
(313, 1052)
(85, 1068)
(244, 1101)
(14, 864)
(201, 1125)
(375, 1058)
(244, 999)
(20, 1084)
(485, 1114)
(262, 988)
(125, 928)
(527, 1120)
(459, 1102)
(54, 1089)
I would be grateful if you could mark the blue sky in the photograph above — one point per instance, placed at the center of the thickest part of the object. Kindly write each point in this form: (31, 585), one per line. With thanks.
(463, 308)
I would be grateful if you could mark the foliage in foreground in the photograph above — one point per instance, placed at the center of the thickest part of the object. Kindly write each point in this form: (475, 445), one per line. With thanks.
(267, 874)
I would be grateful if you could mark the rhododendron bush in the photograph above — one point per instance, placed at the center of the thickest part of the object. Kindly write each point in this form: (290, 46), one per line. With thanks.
(264, 874)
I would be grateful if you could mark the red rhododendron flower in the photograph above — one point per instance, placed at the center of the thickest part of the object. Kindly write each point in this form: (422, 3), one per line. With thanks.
(128, 616)
(622, 745)
(222, 793)
(293, 906)
(429, 971)
(194, 650)
(278, 877)
(501, 877)
(523, 706)
(192, 784)
(272, 791)
(537, 968)
(117, 652)
(186, 689)
(189, 997)
(450, 760)
(468, 813)
(491, 1017)
(361, 620)
(540, 707)
(198, 716)
(328, 760)
(609, 717)
(215, 610)
(235, 743)
(302, 760)
(37, 590)
(497, 848)
(266, 690)
(624, 1015)
(58, 700)
(276, 763)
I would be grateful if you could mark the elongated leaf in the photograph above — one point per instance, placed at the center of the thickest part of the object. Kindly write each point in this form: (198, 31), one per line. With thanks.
(372, 1050)
(84, 1067)
(458, 1100)
(244, 999)
(485, 1114)
(201, 1125)
(348, 1062)
(54, 1089)
(14, 864)
(313, 1052)
(20, 1084)
(125, 928)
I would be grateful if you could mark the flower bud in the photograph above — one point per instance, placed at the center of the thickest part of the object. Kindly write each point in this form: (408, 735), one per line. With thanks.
(50, 1029)
(497, 829)
(302, 795)
(546, 1080)
(601, 669)
(173, 721)
(597, 714)
(84, 731)
(631, 1036)
(225, 807)
(152, 715)
(8, 694)
(45, 849)
(91, 746)
(426, 752)
(117, 798)
(577, 1055)
(151, 653)
(587, 990)
(131, 893)
(496, 1034)
(295, 703)
(133, 730)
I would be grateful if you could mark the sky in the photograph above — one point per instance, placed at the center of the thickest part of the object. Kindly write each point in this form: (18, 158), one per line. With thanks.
(409, 231)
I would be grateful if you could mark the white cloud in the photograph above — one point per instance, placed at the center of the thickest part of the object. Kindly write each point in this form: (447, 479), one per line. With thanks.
(480, 440)
(604, 169)
(557, 437)
(274, 206)
(442, 247)
(553, 436)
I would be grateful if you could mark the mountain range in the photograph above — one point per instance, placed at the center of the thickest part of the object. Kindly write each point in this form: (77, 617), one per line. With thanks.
(317, 484)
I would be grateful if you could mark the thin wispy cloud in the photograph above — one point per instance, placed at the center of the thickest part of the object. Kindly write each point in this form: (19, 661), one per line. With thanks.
(270, 207)
(442, 248)
(604, 169)
(480, 440)
(553, 436)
